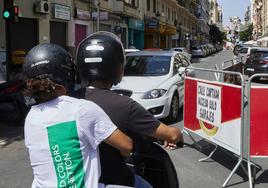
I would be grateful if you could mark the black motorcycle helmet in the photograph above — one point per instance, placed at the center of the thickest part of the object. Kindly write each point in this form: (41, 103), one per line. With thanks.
(50, 61)
(101, 56)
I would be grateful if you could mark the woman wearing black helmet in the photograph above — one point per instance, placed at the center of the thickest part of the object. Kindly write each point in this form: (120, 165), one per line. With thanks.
(62, 133)
(101, 60)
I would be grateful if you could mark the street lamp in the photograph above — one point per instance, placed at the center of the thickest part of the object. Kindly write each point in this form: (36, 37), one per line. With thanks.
(180, 33)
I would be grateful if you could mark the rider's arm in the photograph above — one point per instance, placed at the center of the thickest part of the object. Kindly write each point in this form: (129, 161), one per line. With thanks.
(120, 141)
(170, 134)
(143, 122)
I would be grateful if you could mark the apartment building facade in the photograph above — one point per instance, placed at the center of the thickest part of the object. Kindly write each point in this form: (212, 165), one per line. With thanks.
(215, 13)
(139, 23)
(203, 21)
(168, 22)
(257, 18)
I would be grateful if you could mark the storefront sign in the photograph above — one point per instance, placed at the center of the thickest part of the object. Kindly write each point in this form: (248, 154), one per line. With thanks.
(152, 24)
(136, 24)
(103, 15)
(82, 14)
(62, 12)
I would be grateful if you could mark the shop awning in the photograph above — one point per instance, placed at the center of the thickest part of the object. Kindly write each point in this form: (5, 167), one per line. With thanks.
(170, 30)
(253, 42)
(163, 29)
(264, 39)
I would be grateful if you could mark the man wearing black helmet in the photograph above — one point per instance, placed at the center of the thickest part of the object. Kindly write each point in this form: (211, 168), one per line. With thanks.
(101, 60)
(62, 133)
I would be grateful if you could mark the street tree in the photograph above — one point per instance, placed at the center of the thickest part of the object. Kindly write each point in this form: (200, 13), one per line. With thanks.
(246, 34)
(216, 36)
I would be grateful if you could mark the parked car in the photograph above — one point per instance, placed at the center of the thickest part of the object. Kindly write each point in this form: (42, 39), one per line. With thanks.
(2, 65)
(198, 52)
(219, 47)
(206, 49)
(13, 108)
(257, 62)
(183, 51)
(245, 52)
(152, 79)
(211, 48)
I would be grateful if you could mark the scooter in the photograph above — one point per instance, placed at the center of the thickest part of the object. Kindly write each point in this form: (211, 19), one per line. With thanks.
(156, 167)
(12, 104)
(150, 161)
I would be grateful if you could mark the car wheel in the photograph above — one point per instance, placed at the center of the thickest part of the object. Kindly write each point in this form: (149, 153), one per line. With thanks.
(174, 109)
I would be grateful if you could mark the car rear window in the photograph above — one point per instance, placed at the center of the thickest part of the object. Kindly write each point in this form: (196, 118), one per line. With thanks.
(243, 50)
(196, 48)
(147, 65)
(259, 54)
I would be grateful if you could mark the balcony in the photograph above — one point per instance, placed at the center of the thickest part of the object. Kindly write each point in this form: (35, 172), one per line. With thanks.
(122, 8)
(116, 6)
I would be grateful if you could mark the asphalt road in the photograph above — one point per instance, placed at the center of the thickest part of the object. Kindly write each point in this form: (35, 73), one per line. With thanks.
(16, 171)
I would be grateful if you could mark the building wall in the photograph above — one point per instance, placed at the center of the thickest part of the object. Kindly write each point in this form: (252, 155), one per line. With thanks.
(264, 17)
(213, 11)
(257, 14)
(26, 7)
(176, 19)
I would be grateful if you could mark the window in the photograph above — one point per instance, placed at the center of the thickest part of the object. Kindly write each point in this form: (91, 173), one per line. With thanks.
(130, 2)
(154, 5)
(243, 50)
(259, 54)
(168, 13)
(148, 5)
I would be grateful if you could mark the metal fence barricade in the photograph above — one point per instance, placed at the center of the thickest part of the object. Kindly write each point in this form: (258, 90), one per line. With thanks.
(215, 111)
(257, 122)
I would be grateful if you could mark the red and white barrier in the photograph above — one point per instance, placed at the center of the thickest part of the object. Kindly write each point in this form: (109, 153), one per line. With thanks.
(259, 121)
(213, 111)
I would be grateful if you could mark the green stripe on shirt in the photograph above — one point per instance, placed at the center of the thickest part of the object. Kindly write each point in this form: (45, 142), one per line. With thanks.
(67, 157)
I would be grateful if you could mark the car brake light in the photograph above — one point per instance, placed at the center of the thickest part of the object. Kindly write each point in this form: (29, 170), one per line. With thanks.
(263, 62)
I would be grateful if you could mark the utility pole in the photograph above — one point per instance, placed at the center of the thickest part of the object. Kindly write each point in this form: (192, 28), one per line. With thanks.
(8, 4)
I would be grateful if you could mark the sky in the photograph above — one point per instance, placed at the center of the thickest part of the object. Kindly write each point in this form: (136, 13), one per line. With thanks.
(233, 8)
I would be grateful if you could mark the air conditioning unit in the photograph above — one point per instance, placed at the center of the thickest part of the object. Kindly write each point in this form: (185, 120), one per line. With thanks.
(41, 7)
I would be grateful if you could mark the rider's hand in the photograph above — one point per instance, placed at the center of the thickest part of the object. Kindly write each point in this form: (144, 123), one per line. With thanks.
(169, 145)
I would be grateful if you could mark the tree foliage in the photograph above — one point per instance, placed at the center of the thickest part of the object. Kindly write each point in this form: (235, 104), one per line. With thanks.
(246, 35)
(215, 34)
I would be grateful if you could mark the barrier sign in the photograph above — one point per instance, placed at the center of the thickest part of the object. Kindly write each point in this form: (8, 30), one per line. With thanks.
(212, 110)
(208, 103)
(259, 122)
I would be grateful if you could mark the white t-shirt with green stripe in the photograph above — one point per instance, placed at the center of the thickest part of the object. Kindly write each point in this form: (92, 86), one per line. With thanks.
(62, 138)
